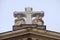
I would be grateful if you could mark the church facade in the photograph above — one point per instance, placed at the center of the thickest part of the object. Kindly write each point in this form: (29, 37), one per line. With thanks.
(29, 25)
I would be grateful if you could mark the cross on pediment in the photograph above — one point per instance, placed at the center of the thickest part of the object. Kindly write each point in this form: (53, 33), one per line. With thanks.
(29, 13)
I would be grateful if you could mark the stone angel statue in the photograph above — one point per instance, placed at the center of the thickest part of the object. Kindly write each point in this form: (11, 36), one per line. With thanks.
(38, 20)
(20, 20)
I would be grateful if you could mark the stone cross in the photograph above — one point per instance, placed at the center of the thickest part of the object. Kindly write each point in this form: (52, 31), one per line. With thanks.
(28, 13)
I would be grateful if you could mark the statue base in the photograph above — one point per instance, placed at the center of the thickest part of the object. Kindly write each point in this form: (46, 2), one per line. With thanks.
(23, 26)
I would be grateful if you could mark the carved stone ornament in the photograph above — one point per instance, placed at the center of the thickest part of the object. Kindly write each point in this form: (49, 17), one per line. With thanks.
(38, 20)
(19, 20)
(29, 14)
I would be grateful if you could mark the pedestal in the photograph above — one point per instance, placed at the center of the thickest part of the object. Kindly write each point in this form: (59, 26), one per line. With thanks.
(24, 26)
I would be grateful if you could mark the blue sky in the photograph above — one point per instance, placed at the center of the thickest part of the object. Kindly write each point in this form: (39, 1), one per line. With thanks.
(50, 7)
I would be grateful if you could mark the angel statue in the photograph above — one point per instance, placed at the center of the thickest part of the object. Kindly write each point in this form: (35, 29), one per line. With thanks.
(19, 20)
(38, 20)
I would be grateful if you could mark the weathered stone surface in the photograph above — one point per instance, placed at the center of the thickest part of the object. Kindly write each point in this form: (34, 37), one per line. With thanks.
(29, 14)
(22, 26)
(30, 37)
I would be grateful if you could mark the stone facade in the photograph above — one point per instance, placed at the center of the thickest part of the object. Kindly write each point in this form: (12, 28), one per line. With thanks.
(30, 33)
(30, 37)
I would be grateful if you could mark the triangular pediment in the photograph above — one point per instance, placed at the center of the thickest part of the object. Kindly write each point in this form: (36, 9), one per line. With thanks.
(29, 32)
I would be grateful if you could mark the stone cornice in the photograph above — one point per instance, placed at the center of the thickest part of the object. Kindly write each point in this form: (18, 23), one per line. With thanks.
(31, 31)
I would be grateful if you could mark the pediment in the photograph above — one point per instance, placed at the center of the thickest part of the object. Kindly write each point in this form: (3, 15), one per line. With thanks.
(29, 32)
